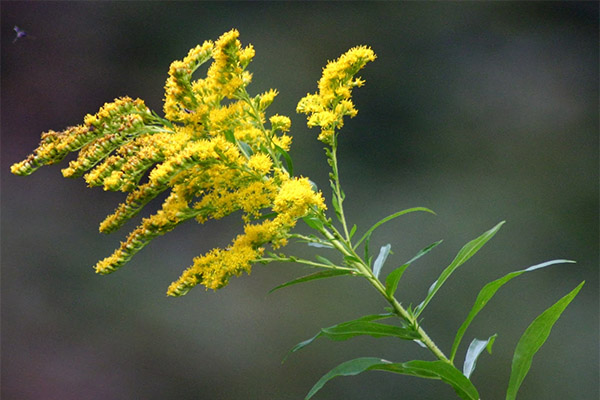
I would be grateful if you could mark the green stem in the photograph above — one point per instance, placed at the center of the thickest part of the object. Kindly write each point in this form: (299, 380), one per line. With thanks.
(337, 188)
(345, 247)
(302, 261)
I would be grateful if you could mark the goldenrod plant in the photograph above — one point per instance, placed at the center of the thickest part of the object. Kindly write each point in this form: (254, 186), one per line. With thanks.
(217, 152)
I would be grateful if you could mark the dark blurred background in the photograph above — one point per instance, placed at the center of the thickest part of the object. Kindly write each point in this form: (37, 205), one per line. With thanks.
(480, 111)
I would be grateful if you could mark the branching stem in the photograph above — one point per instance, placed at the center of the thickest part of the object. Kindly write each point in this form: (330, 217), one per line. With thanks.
(342, 242)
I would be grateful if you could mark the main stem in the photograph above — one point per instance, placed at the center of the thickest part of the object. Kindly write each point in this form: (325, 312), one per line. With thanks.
(344, 245)
(338, 189)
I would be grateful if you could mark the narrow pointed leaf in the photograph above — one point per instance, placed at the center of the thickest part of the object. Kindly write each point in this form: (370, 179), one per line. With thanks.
(463, 255)
(348, 368)
(533, 338)
(245, 148)
(320, 245)
(475, 349)
(423, 369)
(359, 328)
(288, 160)
(393, 278)
(353, 231)
(434, 370)
(380, 260)
(318, 275)
(487, 293)
(313, 222)
(230, 137)
(366, 318)
(424, 251)
(389, 218)
(324, 260)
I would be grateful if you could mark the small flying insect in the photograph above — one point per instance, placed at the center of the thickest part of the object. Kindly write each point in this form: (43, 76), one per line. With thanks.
(20, 33)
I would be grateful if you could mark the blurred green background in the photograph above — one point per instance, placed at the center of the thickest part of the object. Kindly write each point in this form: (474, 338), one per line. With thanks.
(480, 111)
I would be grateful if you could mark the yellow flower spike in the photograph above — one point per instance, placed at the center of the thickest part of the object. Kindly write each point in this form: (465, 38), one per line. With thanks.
(226, 72)
(180, 96)
(283, 141)
(246, 55)
(280, 123)
(266, 99)
(328, 107)
(296, 197)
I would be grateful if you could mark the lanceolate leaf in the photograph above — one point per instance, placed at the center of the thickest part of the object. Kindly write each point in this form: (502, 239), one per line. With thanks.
(424, 251)
(389, 218)
(346, 330)
(436, 370)
(318, 275)
(324, 260)
(353, 231)
(288, 160)
(475, 349)
(349, 368)
(314, 222)
(380, 260)
(487, 293)
(392, 280)
(423, 369)
(463, 255)
(531, 341)
(358, 328)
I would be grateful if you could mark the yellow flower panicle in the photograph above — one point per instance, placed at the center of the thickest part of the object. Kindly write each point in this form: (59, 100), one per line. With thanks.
(100, 134)
(227, 73)
(328, 107)
(293, 200)
(214, 159)
(180, 97)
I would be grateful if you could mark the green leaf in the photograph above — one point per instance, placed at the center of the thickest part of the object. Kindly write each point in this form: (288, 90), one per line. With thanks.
(335, 330)
(435, 370)
(353, 231)
(487, 293)
(389, 218)
(380, 260)
(463, 255)
(349, 368)
(288, 160)
(351, 329)
(313, 222)
(533, 338)
(230, 137)
(424, 369)
(315, 241)
(392, 280)
(336, 205)
(351, 261)
(424, 251)
(245, 148)
(324, 260)
(475, 349)
(318, 275)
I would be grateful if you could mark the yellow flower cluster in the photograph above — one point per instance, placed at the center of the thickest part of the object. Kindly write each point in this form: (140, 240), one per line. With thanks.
(115, 124)
(294, 199)
(328, 107)
(212, 151)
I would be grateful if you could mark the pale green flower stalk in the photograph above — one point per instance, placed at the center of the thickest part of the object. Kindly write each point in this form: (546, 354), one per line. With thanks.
(215, 154)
